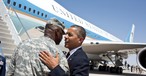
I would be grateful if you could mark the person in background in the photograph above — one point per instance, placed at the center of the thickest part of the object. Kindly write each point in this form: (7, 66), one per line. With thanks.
(77, 59)
(2, 62)
(128, 65)
(25, 61)
(125, 64)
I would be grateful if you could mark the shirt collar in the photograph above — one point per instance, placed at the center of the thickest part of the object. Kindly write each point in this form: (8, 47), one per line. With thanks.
(73, 51)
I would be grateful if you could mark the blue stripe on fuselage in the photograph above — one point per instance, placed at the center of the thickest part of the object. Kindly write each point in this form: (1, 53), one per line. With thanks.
(49, 15)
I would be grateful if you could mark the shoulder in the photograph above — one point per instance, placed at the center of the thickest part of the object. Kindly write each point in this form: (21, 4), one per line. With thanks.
(81, 55)
(2, 57)
(36, 42)
(2, 60)
(80, 52)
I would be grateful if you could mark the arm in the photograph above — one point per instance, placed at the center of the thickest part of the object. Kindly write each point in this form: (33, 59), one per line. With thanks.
(58, 71)
(53, 64)
(49, 60)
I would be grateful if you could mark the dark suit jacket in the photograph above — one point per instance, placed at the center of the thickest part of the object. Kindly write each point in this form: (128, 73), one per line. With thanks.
(2, 66)
(78, 64)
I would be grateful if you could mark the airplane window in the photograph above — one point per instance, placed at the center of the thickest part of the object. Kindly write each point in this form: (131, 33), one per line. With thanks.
(91, 43)
(29, 9)
(45, 16)
(14, 3)
(67, 14)
(71, 16)
(33, 11)
(81, 22)
(38, 12)
(8, 1)
(20, 5)
(42, 14)
(75, 18)
(24, 7)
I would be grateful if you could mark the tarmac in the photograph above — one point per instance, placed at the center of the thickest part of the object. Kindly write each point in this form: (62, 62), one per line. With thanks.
(125, 73)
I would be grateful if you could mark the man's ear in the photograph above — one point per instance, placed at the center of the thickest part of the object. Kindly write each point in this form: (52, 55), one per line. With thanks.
(81, 40)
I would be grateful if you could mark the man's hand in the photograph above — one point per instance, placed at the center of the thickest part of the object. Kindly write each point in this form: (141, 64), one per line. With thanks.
(48, 59)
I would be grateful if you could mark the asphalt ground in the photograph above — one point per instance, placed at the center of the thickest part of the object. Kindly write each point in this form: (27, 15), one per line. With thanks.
(125, 73)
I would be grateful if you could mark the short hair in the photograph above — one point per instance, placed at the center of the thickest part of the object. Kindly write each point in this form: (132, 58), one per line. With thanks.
(81, 32)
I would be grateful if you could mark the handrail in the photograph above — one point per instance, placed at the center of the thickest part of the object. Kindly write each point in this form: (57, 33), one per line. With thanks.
(5, 14)
(21, 24)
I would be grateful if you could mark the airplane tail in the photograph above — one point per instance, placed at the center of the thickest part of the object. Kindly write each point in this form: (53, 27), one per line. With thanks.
(131, 35)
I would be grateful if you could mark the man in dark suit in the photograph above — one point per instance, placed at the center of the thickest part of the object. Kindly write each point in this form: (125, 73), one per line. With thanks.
(2, 62)
(2, 66)
(77, 59)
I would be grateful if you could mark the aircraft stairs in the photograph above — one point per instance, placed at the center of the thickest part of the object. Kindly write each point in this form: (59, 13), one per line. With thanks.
(7, 43)
(9, 37)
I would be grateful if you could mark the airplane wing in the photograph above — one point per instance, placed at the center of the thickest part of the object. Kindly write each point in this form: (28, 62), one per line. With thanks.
(98, 47)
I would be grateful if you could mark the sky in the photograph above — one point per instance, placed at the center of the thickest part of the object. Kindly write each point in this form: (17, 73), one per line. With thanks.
(113, 16)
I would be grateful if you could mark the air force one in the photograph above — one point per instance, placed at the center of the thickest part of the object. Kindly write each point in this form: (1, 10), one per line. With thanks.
(20, 16)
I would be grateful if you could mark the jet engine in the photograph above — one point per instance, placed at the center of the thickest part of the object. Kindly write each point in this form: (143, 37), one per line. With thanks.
(141, 58)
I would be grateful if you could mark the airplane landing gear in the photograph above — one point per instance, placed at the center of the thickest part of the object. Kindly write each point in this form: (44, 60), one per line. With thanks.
(118, 70)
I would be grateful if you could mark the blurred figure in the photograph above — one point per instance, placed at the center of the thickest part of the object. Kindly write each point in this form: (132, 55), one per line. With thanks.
(125, 64)
(136, 68)
(2, 62)
(131, 68)
(128, 66)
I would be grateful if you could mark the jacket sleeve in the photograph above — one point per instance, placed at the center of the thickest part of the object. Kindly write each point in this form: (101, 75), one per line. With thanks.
(3, 66)
(81, 68)
(58, 71)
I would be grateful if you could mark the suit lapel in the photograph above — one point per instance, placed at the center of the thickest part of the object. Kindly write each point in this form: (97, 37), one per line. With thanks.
(74, 54)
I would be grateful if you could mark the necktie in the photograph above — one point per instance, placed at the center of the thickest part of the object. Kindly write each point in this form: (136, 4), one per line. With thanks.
(67, 54)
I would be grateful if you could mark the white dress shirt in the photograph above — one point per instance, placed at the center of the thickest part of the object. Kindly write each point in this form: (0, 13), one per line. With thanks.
(73, 51)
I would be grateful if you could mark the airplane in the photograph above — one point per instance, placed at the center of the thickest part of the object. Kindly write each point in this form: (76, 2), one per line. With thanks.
(23, 15)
